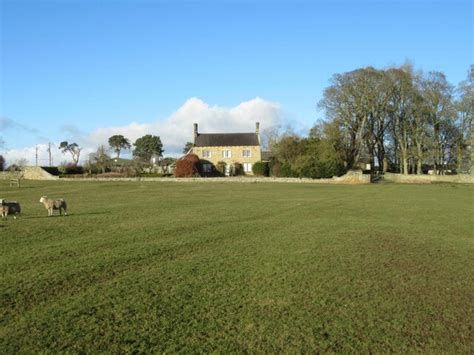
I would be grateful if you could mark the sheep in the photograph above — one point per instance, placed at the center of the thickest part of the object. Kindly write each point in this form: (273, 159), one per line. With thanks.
(9, 207)
(51, 205)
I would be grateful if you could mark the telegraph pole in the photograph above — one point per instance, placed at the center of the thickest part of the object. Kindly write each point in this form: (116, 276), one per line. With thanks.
(50, 158)
(36, 154)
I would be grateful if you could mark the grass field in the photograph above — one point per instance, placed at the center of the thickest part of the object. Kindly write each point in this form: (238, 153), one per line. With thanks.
(238, 267)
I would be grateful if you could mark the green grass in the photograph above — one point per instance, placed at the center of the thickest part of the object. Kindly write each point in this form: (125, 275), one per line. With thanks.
(229, 267)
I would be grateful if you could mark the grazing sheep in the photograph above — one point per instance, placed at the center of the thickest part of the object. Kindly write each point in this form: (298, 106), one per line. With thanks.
(52, 205)
(9, 207)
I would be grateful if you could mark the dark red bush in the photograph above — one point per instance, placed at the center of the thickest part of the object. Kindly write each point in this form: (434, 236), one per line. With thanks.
(187, 166)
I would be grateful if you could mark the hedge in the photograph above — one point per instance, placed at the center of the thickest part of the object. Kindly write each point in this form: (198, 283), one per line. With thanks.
(260, 168)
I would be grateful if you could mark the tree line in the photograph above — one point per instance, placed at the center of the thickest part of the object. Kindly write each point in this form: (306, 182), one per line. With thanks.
(395, 119)
(145, 149)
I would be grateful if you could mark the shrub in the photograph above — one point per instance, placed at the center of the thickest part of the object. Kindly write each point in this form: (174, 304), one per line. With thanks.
(193, 158)
(2, 163)
(53, 170)
(72, 169)
(316, 167)
(286, 171)
(221, 167)
(187, 166)
(260, 168)
(274, 168)
(111, 175)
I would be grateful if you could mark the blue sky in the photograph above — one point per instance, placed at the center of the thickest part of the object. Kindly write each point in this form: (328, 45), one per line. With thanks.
(70, 68)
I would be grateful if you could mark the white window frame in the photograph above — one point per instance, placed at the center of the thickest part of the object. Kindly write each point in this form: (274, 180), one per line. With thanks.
(247, 167)
(206, 154)
(246, 151)
(227, 153)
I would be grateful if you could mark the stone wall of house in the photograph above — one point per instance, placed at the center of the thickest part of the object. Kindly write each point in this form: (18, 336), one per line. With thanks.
(217, 155)
(428, 179)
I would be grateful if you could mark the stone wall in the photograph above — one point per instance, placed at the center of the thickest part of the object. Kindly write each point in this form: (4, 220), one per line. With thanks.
(7, 175)
(352, 178)
(428, 179)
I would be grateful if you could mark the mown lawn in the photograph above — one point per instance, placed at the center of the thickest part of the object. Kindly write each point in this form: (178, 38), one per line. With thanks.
(229, 267)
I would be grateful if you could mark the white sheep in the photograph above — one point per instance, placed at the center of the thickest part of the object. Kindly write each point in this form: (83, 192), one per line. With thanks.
(52, 205)
(9, 207)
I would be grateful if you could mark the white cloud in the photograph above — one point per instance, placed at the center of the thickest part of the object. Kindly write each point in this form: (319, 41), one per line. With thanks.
(175, 130)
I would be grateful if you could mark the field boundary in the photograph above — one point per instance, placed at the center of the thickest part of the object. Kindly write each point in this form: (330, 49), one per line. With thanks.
(428, 179)
(352, 178)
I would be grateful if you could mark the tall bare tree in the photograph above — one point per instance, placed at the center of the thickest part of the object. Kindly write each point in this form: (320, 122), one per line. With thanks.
(437, 97)
(402, 112)
(358, 101)
(464, 119)
(100, 159)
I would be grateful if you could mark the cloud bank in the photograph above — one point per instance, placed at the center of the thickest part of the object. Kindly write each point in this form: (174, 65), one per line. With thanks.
(174, 131)
(177, 129)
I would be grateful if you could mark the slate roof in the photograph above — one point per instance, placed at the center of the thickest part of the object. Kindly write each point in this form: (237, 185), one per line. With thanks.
(226, 139)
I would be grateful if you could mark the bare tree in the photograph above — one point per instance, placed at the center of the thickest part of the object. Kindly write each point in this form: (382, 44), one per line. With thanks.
(437, 97)
(100, 158)
(464, 119)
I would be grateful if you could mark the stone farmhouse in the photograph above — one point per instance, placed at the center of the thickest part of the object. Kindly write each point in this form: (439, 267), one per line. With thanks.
(231, 149)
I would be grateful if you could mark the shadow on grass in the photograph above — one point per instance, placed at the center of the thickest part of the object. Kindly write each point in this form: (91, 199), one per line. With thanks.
(69, 215)
(15, 188)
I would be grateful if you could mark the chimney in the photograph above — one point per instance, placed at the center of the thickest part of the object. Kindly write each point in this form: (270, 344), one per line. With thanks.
(195, 130)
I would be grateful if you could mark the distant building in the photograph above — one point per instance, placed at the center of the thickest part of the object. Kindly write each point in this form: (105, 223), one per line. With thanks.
(231, 149)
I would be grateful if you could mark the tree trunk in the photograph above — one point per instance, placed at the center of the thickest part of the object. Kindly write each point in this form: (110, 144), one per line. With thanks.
(419, 161)
(359, 140)
(459, 152)
(405, 164)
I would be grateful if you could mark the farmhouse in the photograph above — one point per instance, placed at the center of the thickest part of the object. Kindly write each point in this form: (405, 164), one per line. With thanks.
(235, 150)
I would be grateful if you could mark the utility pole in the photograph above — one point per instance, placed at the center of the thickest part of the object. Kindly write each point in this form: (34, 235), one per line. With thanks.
(50, 158)
(36, 154)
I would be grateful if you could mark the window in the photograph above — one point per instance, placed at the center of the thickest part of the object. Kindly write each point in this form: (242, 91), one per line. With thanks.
(206, 154)
(248, 167)
(246, 153)
(207, 168)
(226, 154)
